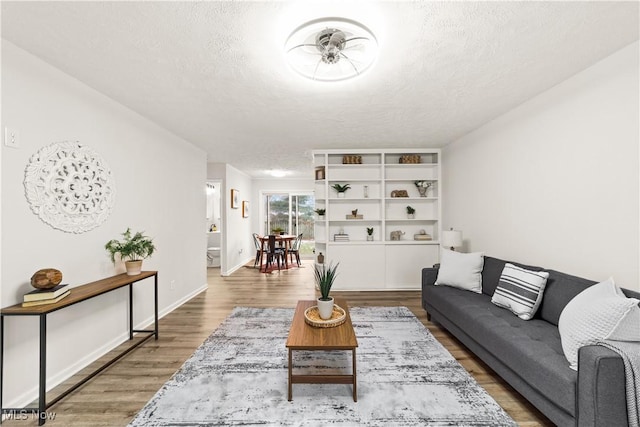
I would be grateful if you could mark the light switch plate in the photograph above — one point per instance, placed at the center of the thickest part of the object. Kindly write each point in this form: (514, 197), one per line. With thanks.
(11, 138)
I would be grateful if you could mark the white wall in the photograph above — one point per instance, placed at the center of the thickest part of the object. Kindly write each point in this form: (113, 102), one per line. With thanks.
(555, 182)
(160, 190)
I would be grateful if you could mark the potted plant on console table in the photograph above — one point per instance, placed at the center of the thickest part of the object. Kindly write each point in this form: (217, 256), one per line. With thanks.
(133, 249)
(324, 279)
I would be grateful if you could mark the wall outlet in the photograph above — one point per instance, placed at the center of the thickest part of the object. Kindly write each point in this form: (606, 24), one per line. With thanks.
(11, 137)
(172, 284)
(240, 250)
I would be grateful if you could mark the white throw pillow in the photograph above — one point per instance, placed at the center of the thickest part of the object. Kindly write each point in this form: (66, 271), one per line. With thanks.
(599, 312)
(520, 290)
(461, 270)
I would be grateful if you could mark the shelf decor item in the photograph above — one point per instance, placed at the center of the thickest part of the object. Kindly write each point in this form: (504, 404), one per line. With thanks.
(399, 193)
(411, 212)
(423, 186)
(409, 158)
(325, 276)
(351, 160)
(422, 235)
(341, 189)
(396, 235)
(370, 234)
(320, 213)
(132, 249)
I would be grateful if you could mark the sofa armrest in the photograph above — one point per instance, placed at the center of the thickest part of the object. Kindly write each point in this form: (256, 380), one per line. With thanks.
(601, 395)
(429, 276)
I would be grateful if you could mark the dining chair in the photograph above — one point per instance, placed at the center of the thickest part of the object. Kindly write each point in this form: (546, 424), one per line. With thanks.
(274, 253)
(295, 249)
(258, 245)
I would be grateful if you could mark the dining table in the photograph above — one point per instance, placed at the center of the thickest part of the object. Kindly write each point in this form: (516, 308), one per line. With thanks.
(283, 240)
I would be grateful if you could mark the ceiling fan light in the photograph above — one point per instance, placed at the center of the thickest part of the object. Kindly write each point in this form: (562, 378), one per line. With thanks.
(331, 49)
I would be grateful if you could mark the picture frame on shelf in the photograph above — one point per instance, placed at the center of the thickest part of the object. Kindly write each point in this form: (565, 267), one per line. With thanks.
(245, 209)
(235, 199)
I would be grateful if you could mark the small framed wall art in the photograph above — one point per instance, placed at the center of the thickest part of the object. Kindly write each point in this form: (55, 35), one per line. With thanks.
(245, 209)
(235, 199)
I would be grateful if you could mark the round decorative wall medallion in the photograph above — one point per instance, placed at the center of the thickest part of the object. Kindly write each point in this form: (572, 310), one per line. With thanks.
(69, 186)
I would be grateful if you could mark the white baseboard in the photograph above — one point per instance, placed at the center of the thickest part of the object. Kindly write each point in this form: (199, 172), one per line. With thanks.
(230, 271)
(32, 394)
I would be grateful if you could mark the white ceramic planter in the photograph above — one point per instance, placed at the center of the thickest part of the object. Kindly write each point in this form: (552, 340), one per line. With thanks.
(341, 195)
(325, 308)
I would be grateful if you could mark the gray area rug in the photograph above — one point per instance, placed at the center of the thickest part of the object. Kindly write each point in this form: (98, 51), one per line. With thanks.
(238, 376)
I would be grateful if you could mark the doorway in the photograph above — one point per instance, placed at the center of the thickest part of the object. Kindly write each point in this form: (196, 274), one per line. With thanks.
(214, 224)
(290, 213)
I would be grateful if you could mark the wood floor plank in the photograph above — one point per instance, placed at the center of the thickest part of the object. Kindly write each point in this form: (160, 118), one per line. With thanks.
(115, 396)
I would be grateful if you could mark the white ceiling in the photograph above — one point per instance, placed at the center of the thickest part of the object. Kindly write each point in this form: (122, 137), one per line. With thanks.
(214, 72)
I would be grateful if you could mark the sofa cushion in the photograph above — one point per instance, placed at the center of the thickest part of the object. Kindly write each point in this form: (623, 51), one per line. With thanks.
(520, 290)
(492, 271)
(531, 349)
(598, 313)
(561, 288)
(460, 270)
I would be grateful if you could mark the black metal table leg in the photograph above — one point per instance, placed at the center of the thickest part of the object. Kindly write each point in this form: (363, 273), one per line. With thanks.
(155, 291)
(42, 396)
(1, 364)
(130, 311)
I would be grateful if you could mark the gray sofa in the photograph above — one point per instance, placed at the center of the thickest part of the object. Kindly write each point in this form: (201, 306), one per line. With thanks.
(528, 354)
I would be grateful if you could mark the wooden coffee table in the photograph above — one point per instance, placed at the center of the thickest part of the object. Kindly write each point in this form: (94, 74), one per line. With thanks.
(305, 337)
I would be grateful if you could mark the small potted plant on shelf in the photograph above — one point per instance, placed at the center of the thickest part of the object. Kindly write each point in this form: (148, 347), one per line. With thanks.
(320, 213)
(132, 249)
(411, 212)
(369, 234)
(423, 186)
(325, 275)
(341, 189)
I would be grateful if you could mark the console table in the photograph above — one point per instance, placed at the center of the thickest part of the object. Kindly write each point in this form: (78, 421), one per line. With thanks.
(77, 294)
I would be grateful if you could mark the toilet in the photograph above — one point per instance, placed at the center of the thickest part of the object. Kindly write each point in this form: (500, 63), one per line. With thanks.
(213, 256)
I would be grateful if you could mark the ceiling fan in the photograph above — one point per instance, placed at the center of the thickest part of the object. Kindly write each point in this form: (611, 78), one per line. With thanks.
(331, 49)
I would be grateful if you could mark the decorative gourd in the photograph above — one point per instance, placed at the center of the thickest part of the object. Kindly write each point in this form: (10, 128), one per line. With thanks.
(46, 278)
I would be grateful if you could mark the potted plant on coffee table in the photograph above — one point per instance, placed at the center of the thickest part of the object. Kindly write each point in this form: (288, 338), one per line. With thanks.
(325, 275)
(132, 249)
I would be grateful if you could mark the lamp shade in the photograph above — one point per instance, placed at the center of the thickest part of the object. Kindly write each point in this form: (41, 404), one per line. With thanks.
(451, 238)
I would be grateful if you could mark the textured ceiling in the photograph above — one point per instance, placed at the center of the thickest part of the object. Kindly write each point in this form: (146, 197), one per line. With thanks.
(214, 72)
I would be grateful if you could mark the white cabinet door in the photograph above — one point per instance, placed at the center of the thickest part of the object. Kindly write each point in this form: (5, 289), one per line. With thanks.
(361, 266)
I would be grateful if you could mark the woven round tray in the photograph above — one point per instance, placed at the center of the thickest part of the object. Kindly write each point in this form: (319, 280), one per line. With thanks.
(312, 317)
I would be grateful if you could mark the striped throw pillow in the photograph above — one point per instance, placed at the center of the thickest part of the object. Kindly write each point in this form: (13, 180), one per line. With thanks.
(520, 290)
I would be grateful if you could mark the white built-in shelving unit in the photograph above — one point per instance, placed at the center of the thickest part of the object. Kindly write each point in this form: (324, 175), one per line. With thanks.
(381, 263)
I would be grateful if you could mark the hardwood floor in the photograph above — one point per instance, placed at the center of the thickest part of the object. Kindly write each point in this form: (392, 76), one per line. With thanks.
(116, 395)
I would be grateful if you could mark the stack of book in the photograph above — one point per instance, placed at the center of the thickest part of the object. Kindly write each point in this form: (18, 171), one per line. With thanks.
(45, 296)
(340, 237)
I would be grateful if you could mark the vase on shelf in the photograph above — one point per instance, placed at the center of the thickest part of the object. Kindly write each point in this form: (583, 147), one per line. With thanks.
(423, 191)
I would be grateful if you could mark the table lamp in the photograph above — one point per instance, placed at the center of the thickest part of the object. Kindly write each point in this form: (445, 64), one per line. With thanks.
(451, 239)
